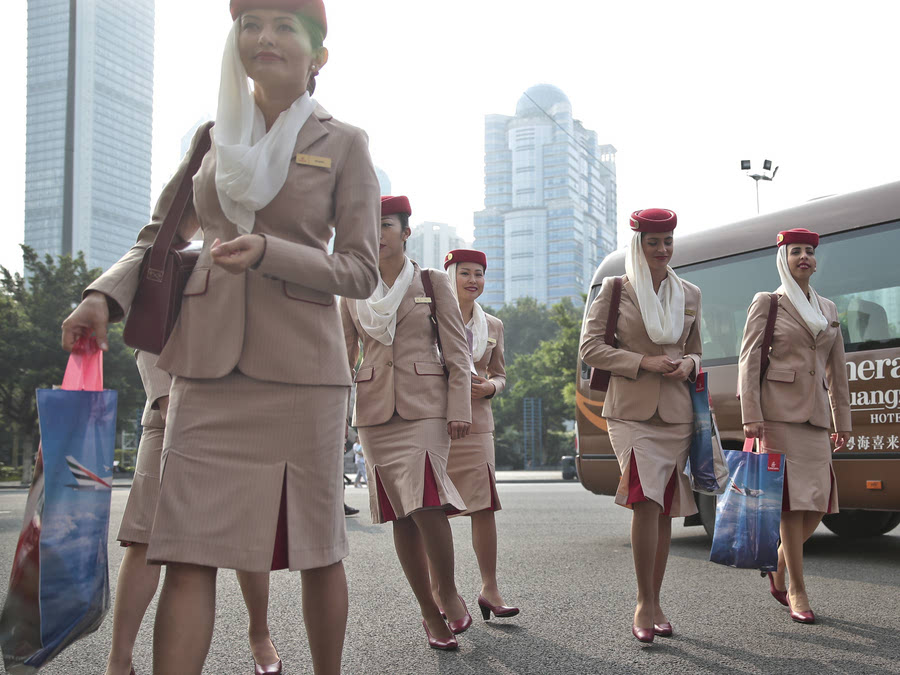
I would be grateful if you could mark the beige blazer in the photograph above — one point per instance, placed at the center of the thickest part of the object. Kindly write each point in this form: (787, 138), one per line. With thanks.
(156, 385)
(406, 377)
(278, 322)
(806, 380)
(491, 366)
(636, 394)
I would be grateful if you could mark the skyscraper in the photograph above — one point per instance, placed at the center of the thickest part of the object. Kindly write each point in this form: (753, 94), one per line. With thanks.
(89, 126)
(549, 201)
(429, 243)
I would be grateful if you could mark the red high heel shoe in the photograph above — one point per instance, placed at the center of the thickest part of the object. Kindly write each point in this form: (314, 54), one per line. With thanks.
(434, 643)
(276, 668)
(500, 611)
(663, 629)
(780, 596)
(642, 634)
(461, 625)
(802, 617)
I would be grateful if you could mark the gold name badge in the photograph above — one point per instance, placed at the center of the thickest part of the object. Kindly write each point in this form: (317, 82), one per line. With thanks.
(313, 160)
(690, 312)
(492, 341)
(423, 301)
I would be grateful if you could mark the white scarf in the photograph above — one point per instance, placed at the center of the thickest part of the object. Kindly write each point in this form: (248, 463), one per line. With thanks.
(663, 316)
(251, 163)
(378, 314)
(477, 324)
(809, 308)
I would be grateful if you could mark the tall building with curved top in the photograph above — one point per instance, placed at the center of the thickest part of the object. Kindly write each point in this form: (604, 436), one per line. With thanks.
(89, 126)
(549, 212)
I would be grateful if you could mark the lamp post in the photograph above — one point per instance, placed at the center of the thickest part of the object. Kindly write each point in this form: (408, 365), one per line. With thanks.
(767, 167)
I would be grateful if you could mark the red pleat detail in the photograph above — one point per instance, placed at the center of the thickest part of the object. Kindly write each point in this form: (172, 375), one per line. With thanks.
(831, 493)
(493, 487)
(636, 492)
(785, 495)
(432, 497)
(280, 551)
(384, 504)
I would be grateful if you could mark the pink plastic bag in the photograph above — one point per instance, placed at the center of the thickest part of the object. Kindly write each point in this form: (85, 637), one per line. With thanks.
(84, 371)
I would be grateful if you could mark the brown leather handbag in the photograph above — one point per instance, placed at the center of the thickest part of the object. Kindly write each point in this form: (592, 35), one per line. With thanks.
(600, 378)
(166, 267)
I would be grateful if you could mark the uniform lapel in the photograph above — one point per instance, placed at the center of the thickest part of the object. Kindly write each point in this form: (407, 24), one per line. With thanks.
(409, 300)
(313, 130)
(790, 309)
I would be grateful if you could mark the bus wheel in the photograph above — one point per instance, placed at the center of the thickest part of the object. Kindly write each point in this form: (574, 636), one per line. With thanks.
(707, 507)
(855, 523)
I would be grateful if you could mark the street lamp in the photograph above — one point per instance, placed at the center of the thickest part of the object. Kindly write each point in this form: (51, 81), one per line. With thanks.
(767, 167)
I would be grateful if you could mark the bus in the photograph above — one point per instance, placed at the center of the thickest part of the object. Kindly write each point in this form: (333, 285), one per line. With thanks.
(859, 269)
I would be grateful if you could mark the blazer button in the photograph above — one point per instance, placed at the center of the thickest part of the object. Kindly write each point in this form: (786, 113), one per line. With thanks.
(390, 364)
(812, 372)
(813, 347)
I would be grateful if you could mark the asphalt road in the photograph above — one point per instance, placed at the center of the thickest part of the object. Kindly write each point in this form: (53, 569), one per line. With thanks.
(565, 559)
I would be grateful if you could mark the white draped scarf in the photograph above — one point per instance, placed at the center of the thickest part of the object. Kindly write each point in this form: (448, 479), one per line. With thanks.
(663, 314)
(477, 324)
(810, 309)
(378, 314)
(251, 163)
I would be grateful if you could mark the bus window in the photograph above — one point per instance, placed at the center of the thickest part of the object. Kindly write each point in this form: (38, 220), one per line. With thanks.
(858, 272)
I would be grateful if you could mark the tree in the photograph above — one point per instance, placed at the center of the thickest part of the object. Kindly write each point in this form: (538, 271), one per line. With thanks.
(31, 357)
(526, 323)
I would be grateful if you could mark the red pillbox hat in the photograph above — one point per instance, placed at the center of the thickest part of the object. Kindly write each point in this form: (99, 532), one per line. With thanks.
(464, 255)
(314, 9)
(653, 220)
(391, 205)
(799, 235)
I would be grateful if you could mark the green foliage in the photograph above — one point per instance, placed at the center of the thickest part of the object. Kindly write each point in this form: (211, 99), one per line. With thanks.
(31, 313)
(546, 372)
(526, 324)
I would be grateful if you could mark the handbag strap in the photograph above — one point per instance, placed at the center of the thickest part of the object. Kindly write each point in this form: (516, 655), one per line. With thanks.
(612, 319)
(768, 335)
(166, 233)
(429, 292)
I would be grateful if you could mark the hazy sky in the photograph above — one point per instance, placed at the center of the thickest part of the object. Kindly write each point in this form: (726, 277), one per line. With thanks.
(683, 90)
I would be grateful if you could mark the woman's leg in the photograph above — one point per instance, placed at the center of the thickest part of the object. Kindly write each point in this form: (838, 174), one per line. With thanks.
(408, 542)
(437, 538)
(184, 619)
(644, 544)
(663, 541)
(134, 590)
(255, 589)
(484, 541)
(325, 616)
(811, 520)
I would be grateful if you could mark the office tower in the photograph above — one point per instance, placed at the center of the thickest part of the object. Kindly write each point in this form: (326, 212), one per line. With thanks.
(89, 126)
(549, 212)
(430, 242)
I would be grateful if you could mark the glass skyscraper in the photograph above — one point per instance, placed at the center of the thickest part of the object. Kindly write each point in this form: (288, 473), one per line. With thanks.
(549, 213)
(89, 126)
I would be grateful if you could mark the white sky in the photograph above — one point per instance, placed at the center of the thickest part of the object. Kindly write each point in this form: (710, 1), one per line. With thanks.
(684, 90)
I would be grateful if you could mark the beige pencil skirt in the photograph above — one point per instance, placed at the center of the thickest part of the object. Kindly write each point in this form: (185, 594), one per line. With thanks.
(809, 483)
(406, 464)
(471, 468)
(137, 521)
(246, 460)
(652, 456)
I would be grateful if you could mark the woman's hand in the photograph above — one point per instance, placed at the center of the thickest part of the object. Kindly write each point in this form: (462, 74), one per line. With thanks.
(91, 317)
(683, 371)
(239, 254)
(458, 430)
(658, 364)
(163, 403)
(753, 430)
(482, 388)
(840, 439)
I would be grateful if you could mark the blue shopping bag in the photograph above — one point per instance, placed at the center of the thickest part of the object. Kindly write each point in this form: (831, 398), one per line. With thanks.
(748, 515)
(706, 467)
(59, 584)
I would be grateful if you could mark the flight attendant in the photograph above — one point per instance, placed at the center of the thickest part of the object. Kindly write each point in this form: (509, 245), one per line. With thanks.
(648, 406)
(251, 475)
(792, 406)
(407, 412)
(138, 581)
(471, 463)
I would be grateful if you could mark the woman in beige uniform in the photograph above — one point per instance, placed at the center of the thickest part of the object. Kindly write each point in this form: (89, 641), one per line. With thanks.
(138, 581)
(471, 464)
(407, 411)
(251, 476)
(794, 403)
(648, 406)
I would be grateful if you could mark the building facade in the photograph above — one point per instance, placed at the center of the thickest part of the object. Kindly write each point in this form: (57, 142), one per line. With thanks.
(89, 126)
(429, 243)
(549, 212)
